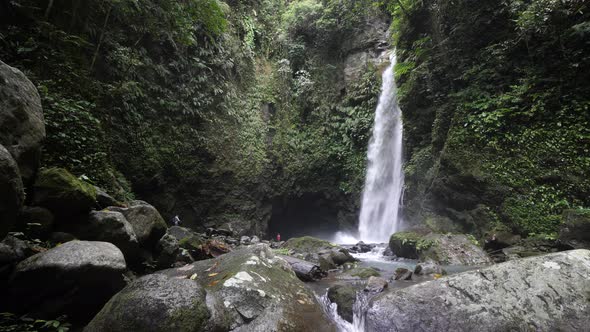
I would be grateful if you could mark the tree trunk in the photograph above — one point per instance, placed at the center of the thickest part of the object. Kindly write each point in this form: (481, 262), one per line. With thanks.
(305, 270)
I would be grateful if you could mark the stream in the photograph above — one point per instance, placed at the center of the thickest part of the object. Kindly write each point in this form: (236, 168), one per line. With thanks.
(386, 265)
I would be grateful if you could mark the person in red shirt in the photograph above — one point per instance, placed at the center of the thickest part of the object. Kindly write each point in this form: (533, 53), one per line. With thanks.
(278, 237)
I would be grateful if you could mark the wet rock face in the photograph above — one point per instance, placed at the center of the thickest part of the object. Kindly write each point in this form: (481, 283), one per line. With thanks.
(22, 129)
(11, 191)
(543, 293)
(76, 278)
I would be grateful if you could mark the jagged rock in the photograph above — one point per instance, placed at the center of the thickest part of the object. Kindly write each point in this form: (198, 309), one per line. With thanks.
(446, 249)
(249, 289)
(402, 274)
(167, 251)
(363, 247)
(344, 296)
(147, 223)
(11, 190)
(254, 240)
(376, 285)
(36, 221)
(575, 231)
(76, 278)
(155, 303)
(63, 194)
(22, 129)
(543, 293)
(427, 268)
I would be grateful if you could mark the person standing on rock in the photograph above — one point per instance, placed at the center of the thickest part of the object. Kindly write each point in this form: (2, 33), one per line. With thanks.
(176, 221)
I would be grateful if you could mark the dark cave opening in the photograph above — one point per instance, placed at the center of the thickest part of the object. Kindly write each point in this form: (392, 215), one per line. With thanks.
(310, 214)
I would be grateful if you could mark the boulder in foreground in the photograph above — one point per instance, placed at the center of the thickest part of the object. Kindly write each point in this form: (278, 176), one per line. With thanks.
(543, 293)
(249, 289)
(76, 278)
(11, 192)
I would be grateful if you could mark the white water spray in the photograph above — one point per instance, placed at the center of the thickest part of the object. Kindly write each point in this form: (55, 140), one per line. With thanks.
(384, 181)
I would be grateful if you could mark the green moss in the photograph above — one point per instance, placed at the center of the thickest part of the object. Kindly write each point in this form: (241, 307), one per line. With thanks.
(192, 242)
(63, 193)
(364, 272)
(308, 244)
(193, 318)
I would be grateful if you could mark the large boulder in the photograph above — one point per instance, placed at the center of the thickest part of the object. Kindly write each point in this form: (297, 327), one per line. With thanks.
(147, 223)
(110, 226)
(76, 278)
(11, 191)
(543, 293)
(249, 289)
(22, 129)
(446, 249)
(155, 303)
(575, 231)
(63, 194)
(324, 253)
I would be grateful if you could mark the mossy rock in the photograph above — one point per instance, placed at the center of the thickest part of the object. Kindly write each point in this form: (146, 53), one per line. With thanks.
(308, 244)
(408, 244)
(344, 296)
(62, 193)
(360, 273)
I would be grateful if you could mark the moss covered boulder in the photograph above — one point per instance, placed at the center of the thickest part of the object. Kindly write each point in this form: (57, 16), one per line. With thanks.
(155, 303)
(445, 249)
(344, 296)
(62, 193)
(324, 253)
(359, 273)
(147, 223)
(575, 231)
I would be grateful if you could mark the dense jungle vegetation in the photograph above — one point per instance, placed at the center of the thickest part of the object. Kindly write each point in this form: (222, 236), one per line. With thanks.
(221, 111)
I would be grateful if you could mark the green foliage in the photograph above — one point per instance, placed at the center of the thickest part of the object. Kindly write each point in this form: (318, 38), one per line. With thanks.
(12, 322)
(500, 96)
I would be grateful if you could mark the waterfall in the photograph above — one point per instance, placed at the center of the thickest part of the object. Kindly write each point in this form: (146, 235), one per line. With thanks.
(384, 181)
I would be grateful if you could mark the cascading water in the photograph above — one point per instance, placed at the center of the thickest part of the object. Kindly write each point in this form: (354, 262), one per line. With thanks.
(382, 195)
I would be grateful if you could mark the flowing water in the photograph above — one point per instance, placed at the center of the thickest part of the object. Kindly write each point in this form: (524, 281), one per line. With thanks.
(384, 181)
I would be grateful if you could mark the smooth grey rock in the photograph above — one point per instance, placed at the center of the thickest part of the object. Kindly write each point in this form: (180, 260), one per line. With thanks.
(147, 223)
(111, 226)
(376, 285)
(402, 274)
(11, 190)
(22, 129)
(155, 302)
(427, 268)
(542, 293)
(245, 240)
(76, 278)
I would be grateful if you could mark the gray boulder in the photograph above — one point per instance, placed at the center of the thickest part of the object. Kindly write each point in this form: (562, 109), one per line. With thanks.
(167, 251)
(429, 267)
(155, 303)
(104, 200)
(402, 274)
(543, 293)
(111, 226)
(76, 278)
(11, 191)
(147, 223)
(180, 232)
(22, 129)
(376, 285)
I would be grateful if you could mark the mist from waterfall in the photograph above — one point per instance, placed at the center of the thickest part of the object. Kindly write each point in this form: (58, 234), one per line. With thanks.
(384, 181)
